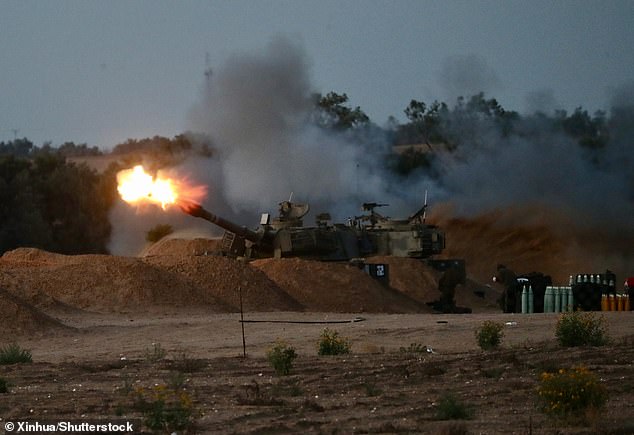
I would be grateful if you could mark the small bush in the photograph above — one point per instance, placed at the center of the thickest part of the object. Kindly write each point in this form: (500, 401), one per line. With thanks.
(288, 387)
(450, 408)
(164, 408)
(372, 390)
(187, 364)
(413, 348)
(155, 354)
(493, 372)
(281, 357)
(13, 354)
(158, 232)
(580, 329)
(176, 380)
(4, 386)
(330, 343)
(490, 334)
(570, 392)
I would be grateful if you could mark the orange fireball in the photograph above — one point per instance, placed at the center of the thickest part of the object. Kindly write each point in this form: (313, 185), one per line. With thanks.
(136, 186)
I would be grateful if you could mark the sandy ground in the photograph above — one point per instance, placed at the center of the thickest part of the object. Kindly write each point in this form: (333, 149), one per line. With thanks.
(159, 339)
(101, 364)
(208, 335)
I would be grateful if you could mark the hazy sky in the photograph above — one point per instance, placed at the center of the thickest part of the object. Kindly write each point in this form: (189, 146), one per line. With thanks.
(103, 71)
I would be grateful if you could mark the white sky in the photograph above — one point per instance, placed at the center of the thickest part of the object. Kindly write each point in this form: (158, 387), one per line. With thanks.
(101, 72)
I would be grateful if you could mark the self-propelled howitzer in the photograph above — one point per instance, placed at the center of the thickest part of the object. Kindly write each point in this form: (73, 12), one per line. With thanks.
(284, 236)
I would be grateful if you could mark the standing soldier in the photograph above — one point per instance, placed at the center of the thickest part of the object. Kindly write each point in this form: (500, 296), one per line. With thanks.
(511, 298)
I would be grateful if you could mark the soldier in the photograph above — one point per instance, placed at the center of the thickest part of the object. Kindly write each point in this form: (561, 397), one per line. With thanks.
(447, 286)
(511, 297)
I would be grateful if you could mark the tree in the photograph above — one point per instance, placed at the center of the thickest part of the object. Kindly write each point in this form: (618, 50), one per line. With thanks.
(425, 124)
(590, 132)
(17, 147)
(51, 204)
(331, 113)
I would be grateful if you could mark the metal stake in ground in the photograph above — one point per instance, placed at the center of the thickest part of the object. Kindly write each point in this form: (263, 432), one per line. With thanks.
(244, 343)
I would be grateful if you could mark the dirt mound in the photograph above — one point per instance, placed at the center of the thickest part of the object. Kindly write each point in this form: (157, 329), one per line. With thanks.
(96, 282)
(411, 277)
(220, 278)
(167, 246)
(18, 317)
(335, 287)
(111, 283)
(419, 281)
(34, 257)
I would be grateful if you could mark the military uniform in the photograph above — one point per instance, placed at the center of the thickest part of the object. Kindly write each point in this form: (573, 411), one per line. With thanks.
(447, 286)
(511, 298)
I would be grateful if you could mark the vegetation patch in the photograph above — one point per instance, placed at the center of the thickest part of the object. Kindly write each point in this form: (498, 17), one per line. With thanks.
(489, 335)
(449, 407)
(413, 348)
(578, 328)
(158, 232)
(155, 354)
(281, 357)
(575, 393)
(4, 386)
(165, 409)
(330, 343)
(14, 354)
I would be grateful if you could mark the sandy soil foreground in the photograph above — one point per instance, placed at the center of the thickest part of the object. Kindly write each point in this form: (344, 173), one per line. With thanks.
(401, 365)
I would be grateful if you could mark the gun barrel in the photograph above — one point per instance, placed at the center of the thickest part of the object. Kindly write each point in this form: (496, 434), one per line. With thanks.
(197, 210)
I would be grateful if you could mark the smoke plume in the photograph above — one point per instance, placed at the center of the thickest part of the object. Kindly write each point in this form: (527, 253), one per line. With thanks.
(256, 108)
(256, 111)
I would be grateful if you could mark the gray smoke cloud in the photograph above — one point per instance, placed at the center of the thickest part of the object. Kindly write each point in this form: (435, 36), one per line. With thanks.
(491, 170)
(256, 110)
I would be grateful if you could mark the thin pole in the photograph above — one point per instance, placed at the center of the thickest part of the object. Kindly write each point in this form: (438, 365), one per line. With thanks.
(244, 343)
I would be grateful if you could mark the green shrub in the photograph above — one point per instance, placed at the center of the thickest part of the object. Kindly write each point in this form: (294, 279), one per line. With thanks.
(580, 329)
(188, 364)
(570, 392)
(330, 343)
(493, 372)
(450, 408)
(413, 348)
(156, 353)
(13, 354)
(4, 385)
(281, 357)
(489, 335)
(164, 408)
(158, 232)
(372, 390)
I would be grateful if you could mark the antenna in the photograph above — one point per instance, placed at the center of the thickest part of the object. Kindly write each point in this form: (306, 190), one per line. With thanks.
(15, 133)
(425, 207)
(290, 198)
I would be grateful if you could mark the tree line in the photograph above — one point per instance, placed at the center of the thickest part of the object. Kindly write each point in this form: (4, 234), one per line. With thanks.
(49, 202)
